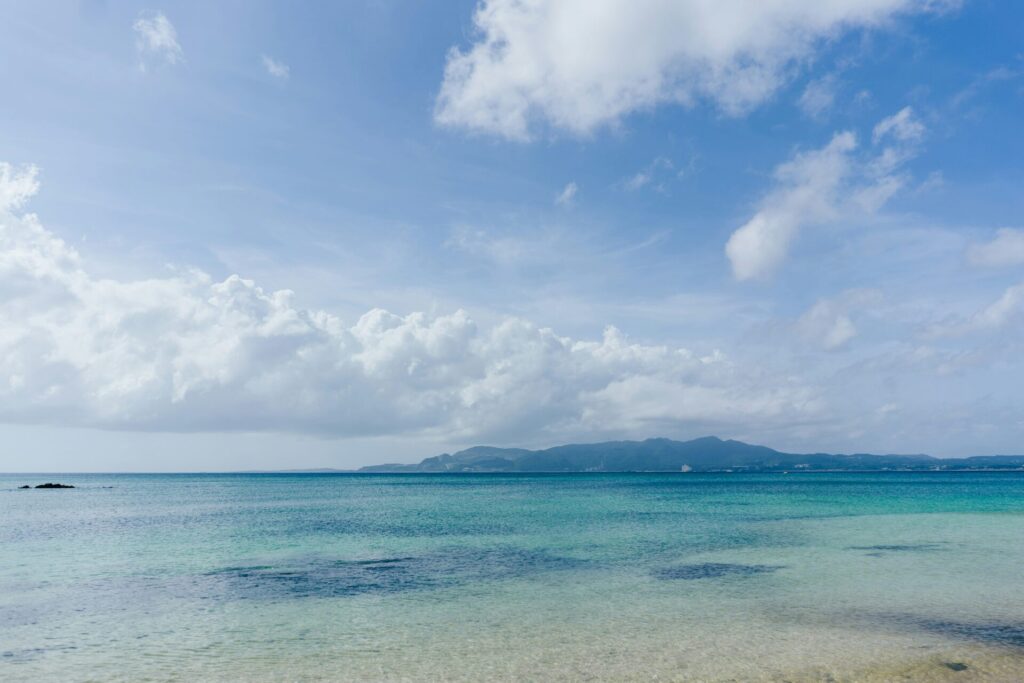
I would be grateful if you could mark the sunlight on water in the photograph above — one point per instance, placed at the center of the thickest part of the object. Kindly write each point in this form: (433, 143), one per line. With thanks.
(676, 577)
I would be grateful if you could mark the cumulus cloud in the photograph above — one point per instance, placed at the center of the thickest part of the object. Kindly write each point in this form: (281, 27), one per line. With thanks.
(275, 68)
(567, 195)
(823, 186)
(536, 60)
(186, 352)
(155, 35)
(1007, 249)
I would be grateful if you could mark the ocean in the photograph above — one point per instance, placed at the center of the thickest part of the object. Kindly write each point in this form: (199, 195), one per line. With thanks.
(347, 577)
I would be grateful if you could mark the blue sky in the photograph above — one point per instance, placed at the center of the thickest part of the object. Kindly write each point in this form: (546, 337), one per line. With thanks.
(795, 223)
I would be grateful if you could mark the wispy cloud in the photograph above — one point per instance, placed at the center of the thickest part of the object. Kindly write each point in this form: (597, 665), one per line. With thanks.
(659, 173)
(903, 126)
(276, 68)
(155, 36)
(980, 83)
(829, 324)
(818, 97)
(995, 316)
(1005, 249)
(822, 186)
(568, 194)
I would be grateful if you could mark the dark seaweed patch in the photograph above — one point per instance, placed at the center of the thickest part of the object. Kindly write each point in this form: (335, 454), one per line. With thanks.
(358, 524)
(1006, 634)
(325, 577)
(885, 550)
(712, 570)
(29, 654)
(897, 548)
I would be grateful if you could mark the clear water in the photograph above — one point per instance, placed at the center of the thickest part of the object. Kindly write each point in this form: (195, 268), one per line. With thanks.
(491, 577)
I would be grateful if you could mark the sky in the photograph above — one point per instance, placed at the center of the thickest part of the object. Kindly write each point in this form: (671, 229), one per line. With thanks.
(247, 235)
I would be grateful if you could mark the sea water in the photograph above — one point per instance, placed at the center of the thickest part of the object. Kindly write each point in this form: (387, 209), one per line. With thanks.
(704, 577)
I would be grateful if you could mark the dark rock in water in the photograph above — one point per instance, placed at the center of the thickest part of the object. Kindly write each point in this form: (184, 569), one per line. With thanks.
(710, 570)
(956, 666)
(51, 485)
(26, 486)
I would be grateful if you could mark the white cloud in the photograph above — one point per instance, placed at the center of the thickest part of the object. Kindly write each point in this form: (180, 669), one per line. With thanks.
(185, 352)
(862, 98)
(155, 35)
(656, 173)
(536, 61)
(275, 68)
(1003, 310)
(17, 186)
(567, 195)
(822, 186)
(999, 74)
(999, 314)
(504, 250)
(1007, 249)
(829, 328)
(818, 97)
(828, 324)
(638, 181)
(902, 126)
(806, 194)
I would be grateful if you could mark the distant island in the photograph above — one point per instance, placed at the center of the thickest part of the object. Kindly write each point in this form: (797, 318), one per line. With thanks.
(708, 454)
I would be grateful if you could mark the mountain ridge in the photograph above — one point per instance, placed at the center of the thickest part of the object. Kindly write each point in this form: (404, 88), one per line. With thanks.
(704, 454)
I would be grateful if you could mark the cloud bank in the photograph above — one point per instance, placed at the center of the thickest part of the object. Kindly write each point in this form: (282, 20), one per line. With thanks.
(185, 352)
(535, 61)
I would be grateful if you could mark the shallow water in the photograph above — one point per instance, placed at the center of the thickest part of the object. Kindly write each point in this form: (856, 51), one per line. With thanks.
(482, 577)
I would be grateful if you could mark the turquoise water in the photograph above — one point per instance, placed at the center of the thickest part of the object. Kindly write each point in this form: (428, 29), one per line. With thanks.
(494, 577)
